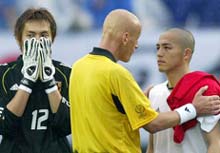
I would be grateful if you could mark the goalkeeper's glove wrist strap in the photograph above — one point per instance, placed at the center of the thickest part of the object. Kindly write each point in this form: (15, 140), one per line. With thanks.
(50, 90)
(50, 86)
(26, 85)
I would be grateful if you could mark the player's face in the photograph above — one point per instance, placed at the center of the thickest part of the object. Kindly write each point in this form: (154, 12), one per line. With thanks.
(170, 56)
(36, 29)
(130, 48)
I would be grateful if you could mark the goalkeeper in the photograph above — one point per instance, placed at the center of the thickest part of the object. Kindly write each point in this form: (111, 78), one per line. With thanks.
(34, 107)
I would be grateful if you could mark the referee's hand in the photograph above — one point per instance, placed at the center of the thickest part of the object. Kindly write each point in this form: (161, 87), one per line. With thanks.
(206, 105)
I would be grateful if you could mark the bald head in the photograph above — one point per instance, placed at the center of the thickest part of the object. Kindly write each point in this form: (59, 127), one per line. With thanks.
(119, 21)
(121, 30)
(183, 38)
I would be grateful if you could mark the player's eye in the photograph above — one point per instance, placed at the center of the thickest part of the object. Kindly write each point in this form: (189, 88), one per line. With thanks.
(167, 48)
(45, 35)
(30, 35)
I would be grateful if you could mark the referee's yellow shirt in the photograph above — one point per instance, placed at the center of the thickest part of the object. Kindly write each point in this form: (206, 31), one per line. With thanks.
(107, 106)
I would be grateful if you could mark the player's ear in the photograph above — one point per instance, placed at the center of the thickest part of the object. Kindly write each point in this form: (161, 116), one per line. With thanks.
(187, 54)
(125, 38)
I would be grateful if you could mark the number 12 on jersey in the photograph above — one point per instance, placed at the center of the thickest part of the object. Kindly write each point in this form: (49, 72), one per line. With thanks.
(38, 117)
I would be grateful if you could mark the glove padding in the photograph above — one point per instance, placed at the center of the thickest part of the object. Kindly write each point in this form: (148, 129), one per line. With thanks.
(48, 69)
(30, 69)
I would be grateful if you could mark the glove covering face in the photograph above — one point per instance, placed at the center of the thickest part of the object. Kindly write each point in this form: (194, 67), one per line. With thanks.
(47, 67)
(30, 69)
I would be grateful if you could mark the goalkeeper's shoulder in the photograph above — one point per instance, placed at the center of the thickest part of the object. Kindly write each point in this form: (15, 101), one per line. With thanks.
(6, 69)
(60, 66)
(3, 69)
(5, 66)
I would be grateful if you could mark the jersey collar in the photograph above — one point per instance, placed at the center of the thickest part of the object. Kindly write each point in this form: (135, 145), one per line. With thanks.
(103, 52)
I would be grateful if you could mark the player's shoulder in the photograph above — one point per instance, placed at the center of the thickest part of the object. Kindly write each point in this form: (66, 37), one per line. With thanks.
(160, 87)
(157, 92)
(119, 71)
(60, 65)
(5, 66)
(120, 68)
(62, 68)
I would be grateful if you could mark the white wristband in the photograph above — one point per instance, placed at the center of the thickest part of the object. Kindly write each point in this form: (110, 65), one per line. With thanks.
(22, 87)
(54, 88)
(187, 112)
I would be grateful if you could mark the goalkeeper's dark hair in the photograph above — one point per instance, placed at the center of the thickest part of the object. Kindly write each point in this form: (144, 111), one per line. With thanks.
(34, 14)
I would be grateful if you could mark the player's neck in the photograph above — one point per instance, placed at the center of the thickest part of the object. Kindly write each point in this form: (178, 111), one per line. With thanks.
(173, 78)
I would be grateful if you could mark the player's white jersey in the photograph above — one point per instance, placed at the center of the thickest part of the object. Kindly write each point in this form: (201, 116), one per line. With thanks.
(163, 142)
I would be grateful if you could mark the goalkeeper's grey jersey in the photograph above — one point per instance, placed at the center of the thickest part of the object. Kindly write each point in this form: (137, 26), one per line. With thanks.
(38, 130)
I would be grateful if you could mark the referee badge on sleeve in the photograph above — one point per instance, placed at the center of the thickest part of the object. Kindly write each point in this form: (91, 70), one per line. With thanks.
(141, 111)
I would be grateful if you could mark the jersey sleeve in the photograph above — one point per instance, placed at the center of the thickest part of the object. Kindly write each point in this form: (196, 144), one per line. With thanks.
(8, 121)
(158, 95)
(207, 123)
(153, 99)
(135, 103)
(61, 119)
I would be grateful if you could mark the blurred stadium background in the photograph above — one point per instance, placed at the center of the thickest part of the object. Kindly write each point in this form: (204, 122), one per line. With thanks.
(79, 30)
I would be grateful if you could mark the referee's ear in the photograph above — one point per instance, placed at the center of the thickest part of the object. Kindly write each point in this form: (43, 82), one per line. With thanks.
(147, 90)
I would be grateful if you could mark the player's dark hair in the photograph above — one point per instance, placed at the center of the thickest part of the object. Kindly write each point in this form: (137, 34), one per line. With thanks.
(37, 14)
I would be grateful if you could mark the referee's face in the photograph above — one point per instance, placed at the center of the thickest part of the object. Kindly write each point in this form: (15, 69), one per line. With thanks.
(129, 44)
(37, 29)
